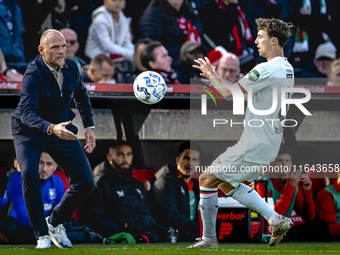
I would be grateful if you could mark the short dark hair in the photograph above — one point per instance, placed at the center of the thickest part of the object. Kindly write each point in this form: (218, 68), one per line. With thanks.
(284, 149)
(189, 145)
(275, 28)
(142, 41)
(97, 61)
(116, 143)
(148, 54)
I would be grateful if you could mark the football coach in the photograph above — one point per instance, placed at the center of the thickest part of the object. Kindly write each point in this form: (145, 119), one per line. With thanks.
(42, 123)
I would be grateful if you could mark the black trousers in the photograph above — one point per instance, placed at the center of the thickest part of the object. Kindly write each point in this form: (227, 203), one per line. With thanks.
(71, 157)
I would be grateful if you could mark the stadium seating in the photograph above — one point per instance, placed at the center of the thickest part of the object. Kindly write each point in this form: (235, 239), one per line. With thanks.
(145, 176)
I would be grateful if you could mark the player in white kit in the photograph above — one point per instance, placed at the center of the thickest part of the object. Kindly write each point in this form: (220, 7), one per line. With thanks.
(258, 146)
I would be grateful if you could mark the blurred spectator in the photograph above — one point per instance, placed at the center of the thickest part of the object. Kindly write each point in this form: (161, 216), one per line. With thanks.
(334, 74)
(52, 189)
(14, 169)
(156, 58)
(7, 221)
(11, 31)
(175, 194)
(3, 181)
(139, 47)
(80, 12)
(229, 67)
(183, 66)
(119, 202)
(172, 22)
(328, 208)
(38, 16)
(312, 22)
(227, 16)
(6, 73)
(334, 28)
(290, 189)
(324, 56)
(255, 9)
(109, 32)
(135, 9)
(71, 39)
(100, 70)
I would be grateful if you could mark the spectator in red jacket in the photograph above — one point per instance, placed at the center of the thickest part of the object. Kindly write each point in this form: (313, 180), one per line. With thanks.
(328, 208)
(290, 190)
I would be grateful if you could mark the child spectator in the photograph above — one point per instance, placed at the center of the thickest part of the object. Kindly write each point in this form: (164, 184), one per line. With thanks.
(109, 32)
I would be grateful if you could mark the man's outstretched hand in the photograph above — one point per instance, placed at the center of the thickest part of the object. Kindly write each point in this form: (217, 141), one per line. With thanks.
(207, 69)
(61, 131)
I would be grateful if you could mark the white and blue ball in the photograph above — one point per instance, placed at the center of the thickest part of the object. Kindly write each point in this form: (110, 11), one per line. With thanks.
(149, 87)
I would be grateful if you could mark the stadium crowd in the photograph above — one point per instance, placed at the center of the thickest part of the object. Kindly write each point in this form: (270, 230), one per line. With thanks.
(112, 41)
(213, 28)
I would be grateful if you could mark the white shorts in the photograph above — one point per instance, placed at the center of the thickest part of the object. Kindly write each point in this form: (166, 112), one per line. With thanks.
(231, 167)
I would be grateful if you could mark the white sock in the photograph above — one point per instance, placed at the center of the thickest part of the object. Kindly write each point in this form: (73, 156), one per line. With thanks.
(208, 208)
(250, 198)
(274, 219)
(210, 239)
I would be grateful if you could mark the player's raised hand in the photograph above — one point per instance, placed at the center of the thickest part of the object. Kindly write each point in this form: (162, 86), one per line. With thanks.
(61, 131)
(207, 69)
(90, 140)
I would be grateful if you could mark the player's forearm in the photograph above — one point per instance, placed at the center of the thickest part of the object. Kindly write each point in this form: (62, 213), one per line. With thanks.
(217, 80)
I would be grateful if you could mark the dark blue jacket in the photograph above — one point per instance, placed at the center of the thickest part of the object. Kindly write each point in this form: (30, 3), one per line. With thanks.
(13, 46)
(42, 103)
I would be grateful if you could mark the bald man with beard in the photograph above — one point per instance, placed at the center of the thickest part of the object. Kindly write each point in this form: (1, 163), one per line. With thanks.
(43, 123)
(119, 202)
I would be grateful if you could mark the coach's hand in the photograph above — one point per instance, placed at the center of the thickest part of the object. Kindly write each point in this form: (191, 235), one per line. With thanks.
(61, 131)
(90, 140)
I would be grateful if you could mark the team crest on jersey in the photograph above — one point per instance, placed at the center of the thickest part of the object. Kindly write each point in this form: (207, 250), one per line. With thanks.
(253, 75)
(51, 193)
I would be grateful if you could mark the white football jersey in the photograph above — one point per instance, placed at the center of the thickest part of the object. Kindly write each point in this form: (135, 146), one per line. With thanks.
(262, 135)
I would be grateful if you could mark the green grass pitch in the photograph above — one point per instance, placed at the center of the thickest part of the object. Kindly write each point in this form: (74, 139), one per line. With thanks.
(180, 248)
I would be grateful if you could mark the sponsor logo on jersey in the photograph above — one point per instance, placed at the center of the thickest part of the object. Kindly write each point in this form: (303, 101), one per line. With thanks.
(51, 193)
(120, 193)
(48, 206)
(253, 75)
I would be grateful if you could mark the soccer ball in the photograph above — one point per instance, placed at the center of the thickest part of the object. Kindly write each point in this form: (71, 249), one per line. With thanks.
(149, 87)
